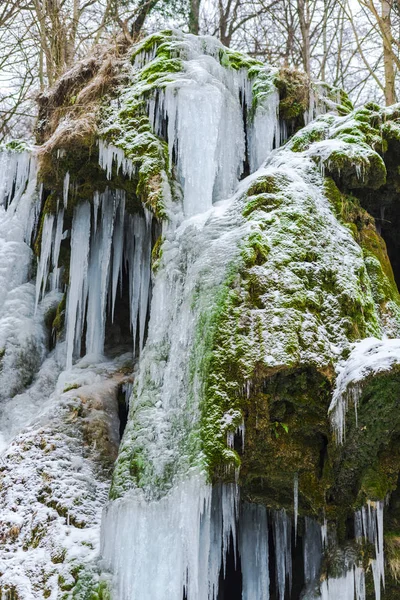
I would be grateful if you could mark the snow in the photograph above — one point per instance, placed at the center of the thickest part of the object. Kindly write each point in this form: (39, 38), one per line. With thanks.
(368, 357)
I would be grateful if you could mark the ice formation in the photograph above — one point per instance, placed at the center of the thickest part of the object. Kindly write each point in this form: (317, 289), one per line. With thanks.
(295, 504)
(351, 586)
(193, 523)
(105, 241)
(208, 136)
(254, 552)
(170, 534)
(368, 357)
(282, 528)
(368, 525)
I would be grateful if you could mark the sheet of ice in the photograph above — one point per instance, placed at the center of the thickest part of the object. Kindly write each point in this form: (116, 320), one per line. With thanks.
(254, 552)
(282, 528)
(172, 544)
(264, 130)
(204, 106)
(312, 551)
(341, 587)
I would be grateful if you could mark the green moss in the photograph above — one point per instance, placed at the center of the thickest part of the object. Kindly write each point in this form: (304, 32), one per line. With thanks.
(265, 202)
(380, 273)
(16, 146)
(59, 319)
(366, 466)
(303, 139)
(152, 41)
(160, 67)
(73, 386)
(236, 60)
(294, 92)
(157, 253)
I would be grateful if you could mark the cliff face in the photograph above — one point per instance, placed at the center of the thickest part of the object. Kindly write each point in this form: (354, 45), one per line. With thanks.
(166, 233)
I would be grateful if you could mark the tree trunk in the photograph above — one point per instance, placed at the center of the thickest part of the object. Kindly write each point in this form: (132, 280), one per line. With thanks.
(390, 93)
(303, 10)
(144, 8)
(194, 16)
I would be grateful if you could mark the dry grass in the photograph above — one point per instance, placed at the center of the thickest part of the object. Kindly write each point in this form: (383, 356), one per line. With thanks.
(68, 112)
(392, 544)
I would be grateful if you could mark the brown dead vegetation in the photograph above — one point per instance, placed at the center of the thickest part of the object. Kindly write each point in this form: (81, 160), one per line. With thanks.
(68, 112)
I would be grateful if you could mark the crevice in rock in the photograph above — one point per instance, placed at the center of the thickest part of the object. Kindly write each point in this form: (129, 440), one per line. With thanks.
(230, 582)
(123, 410)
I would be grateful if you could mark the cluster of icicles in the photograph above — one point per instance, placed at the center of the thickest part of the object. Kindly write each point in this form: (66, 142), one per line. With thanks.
(105, 241)
(198, 525)
(179, 544)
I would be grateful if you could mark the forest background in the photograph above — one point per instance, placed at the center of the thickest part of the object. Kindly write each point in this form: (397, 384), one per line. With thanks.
(353, 44)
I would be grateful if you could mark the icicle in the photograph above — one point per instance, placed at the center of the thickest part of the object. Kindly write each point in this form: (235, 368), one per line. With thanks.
(117, 247)
(340, 587)
(77, 293)
(312, 551)
(98, 276)
(15, 172)
(127, 390)
(145, 279)
(96, 205)
(368, 525)
(45, 254)
(324, 534)
(283, 551)
(253, 550)
(168, 545)
(58, 236)
(66, 189)
(109, 154)
(264, 130)
(296, 503)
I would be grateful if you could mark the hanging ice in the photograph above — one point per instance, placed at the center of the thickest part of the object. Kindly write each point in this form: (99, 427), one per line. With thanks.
(77, 292)
(99, 255)
(58, 236)
(312, 550)
(98, 275)
(367, 357)
(283, 551)
(253, 549)
(66, 189)
(368, 525)
(172, 544)
(264, 130)
(109, 154)
(204, 107)
(295, 504)
(45, 255)
(350, 586)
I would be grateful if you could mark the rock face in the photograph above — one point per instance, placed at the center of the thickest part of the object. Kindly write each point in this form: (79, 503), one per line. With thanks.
(166, 233)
